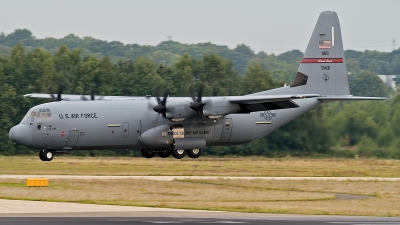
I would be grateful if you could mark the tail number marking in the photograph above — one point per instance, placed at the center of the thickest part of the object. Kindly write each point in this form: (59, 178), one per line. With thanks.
(325, 67)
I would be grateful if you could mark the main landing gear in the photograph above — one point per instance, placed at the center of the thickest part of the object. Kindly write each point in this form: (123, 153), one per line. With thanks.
(46, 155)
(176, 153)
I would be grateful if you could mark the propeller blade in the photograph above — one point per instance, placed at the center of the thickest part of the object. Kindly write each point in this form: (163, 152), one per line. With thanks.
(49, 89)
(92, 90)
(160, 108)
(197, 103)
(190, 92)
(83, 98)
(157, 94)
(59, 91)
(166, 94)
(200, 89)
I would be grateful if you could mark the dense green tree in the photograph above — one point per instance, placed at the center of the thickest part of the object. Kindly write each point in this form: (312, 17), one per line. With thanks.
(367, 84)
(257, 79)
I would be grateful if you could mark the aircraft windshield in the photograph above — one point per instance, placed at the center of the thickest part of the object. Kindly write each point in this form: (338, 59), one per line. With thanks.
(27, 115)
(43, 113)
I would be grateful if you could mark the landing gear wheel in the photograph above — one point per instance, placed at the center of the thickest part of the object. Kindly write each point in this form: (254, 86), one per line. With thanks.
(148, 153)
(178, 153)
(193, 153)
(41, 157)
(46, 155)
(164, 153)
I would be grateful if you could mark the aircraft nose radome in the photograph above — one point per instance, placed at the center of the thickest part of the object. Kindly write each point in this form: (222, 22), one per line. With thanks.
(21, 134)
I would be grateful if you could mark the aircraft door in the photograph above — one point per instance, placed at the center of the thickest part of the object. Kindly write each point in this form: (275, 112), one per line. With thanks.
(125, 130)
(226, 129)
(217, 132)
(72, 138)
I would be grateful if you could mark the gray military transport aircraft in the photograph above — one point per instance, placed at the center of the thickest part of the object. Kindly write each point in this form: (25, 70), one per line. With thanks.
(185, 125)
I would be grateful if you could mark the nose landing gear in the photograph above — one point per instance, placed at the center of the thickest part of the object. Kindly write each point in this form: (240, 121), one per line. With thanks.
(46, 155)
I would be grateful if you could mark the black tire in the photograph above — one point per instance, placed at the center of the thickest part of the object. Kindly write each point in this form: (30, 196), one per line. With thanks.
(47, 155)
(148, 153)
(193, 153)
(178, 153)
(41, 156)
(164, 153)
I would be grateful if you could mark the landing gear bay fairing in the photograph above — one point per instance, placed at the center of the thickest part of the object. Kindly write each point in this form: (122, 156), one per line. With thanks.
(181, 126)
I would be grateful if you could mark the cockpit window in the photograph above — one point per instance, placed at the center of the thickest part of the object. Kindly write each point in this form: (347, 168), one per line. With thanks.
(27, 115)
(44, 113)
(33, 114)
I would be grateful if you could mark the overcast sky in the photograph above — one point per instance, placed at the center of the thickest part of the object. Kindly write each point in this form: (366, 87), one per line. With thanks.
(264, 25)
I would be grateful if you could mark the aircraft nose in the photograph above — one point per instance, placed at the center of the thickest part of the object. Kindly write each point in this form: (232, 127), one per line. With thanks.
(21, 134)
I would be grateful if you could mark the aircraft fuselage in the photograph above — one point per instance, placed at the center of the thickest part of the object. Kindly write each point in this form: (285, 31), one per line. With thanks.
(89, 125)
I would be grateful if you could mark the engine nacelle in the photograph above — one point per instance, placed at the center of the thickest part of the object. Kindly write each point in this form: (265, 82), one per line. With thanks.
(219, 107)
(178, 110)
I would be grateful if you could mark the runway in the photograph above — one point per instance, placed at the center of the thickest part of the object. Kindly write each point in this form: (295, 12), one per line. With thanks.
(171, 178)
(42, 213)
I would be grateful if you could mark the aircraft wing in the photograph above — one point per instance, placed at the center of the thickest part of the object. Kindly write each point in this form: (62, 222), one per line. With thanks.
(67, 97)
(268, 98)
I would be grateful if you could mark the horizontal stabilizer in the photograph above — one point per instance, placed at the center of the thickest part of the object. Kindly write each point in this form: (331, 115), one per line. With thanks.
(347, 98)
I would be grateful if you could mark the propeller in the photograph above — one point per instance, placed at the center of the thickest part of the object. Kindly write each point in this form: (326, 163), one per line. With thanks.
(92, 96)
(59, 92)
(197, 103)
(161, 108)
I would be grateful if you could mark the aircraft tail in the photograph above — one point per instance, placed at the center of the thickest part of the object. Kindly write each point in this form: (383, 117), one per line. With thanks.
(323, 69)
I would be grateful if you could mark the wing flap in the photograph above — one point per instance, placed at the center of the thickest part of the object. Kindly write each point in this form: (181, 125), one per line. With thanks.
(248, 108)
(268, 98)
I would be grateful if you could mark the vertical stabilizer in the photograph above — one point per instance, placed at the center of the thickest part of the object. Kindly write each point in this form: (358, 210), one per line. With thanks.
(323, 69)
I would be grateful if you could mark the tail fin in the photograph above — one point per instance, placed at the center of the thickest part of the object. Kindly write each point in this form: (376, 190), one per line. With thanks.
(323, 68)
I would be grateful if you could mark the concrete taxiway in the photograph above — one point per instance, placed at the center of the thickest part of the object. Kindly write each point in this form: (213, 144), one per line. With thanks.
(35, 213)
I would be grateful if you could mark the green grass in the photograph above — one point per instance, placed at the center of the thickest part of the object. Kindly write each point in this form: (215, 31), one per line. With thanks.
(204, 166)
(302, 197)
